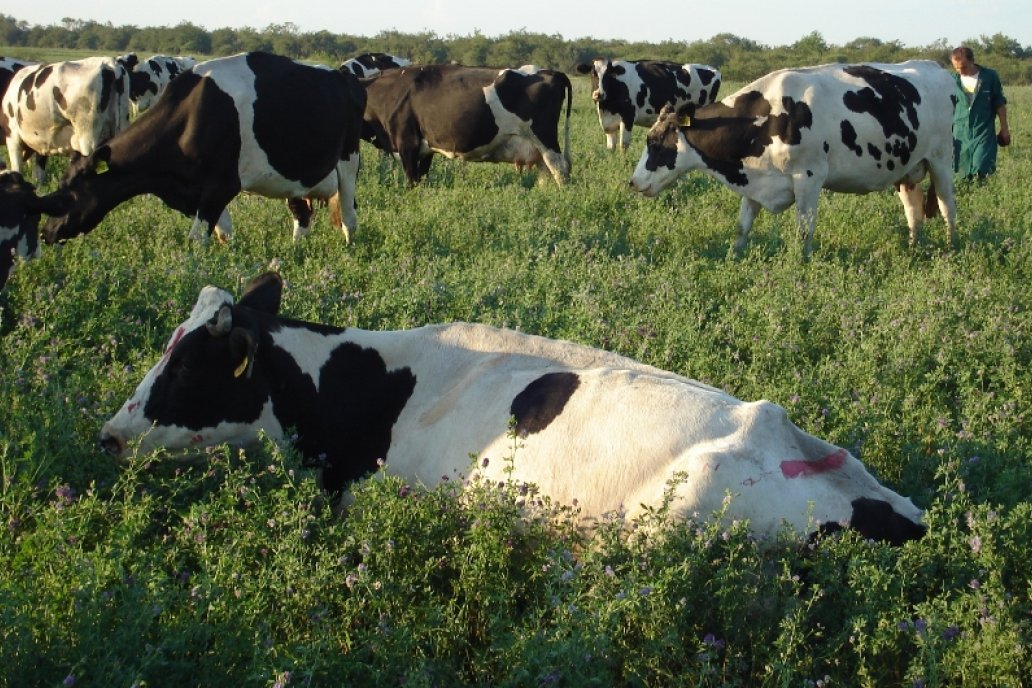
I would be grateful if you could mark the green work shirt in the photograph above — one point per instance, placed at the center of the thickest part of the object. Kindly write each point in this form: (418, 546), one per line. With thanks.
(974, 124)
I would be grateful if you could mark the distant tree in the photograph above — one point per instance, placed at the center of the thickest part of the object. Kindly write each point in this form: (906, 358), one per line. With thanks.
(12, 31)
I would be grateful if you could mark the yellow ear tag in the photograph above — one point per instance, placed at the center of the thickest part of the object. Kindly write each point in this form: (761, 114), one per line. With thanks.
(101, 167)
(686, 121)
(242, 367)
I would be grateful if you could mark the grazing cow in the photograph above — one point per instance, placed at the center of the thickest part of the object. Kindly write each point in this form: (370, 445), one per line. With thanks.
(784, 137)
(149, 78)
(477, 114)
(368, 65)
(228, 125)
(20, 209)
(64, 108)
(591, 428)
(632, 92)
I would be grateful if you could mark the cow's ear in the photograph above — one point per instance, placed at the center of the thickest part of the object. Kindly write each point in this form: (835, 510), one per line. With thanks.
(263, 293)
(54, 204)
(99, 160)
(242, 348)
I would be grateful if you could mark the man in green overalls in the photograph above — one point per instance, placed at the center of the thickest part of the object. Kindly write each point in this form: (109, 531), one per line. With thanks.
(980, 101)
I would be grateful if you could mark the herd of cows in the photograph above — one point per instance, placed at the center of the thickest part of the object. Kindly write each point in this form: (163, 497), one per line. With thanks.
(595, 429)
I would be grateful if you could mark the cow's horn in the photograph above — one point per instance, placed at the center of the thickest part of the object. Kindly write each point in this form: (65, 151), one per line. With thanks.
(221, 324)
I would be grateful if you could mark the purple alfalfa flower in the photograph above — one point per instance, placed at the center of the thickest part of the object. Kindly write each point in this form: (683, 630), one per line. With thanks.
(713, 641)
(920, 625)
(976, 543)
(69, 680)
(951, 633)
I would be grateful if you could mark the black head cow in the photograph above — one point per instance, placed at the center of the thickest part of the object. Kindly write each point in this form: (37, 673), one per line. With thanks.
(784, 137)
(594, 428)
(253, 122)
(477, 114)
(629, 93)
(20, 210)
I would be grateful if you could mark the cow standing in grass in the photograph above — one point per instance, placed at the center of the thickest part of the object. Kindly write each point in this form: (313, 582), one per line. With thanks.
(251, 122)
(477, 114)
(784, 137)
(64, 108)
(629, 93)
(591, 428)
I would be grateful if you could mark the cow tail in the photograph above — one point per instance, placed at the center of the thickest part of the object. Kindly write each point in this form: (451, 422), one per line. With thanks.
(566, 135)
(931, 205)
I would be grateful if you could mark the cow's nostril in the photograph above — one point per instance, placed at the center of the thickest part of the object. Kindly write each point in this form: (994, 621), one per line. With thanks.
(112, 444)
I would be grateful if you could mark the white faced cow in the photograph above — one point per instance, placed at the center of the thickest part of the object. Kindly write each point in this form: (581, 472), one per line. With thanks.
(477, 114)
(149, 78)
(64, 108)
(254, 122)
(593, 428)
(632, 92)
(20, 210)
(368, 65)
(782, 138)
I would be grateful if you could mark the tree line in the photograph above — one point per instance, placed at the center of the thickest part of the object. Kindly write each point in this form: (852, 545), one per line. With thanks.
(740, 59)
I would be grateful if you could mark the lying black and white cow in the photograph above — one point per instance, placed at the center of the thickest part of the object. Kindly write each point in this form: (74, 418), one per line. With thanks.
(632, 92)
(784, 137)
(477, 114)
(20, 210)
(594, 428)
(64, 108)
(254, 122)
(150, 78)
(368, 65)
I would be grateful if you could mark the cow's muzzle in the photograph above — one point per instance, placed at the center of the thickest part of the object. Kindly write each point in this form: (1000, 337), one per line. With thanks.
(111, 444)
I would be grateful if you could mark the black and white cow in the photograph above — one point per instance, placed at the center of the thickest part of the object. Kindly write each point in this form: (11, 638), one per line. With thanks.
(253, 122)
(20, 210)
(149, 78)
(8, 66)
(64, 108)
(632, 92)
(368, 65)
(477, 114)
(784, 137)
(593, 428)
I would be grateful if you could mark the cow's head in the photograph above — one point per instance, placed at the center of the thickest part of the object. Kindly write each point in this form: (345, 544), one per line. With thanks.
(206, 389)
(658, 166)
(87, 194)
(20, 210)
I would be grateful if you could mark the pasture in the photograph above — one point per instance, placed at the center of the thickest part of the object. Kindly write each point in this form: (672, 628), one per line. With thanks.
(225, 568)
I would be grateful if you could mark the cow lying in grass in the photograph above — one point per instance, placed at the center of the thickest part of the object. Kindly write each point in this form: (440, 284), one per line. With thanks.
(591, 427)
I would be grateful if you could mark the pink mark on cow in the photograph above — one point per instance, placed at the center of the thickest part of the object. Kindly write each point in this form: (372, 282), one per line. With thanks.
(133, 406)
(197, 439)
(831, 462)
(175, 340)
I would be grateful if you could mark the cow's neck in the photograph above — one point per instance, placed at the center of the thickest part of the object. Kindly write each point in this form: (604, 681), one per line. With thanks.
(339, 397)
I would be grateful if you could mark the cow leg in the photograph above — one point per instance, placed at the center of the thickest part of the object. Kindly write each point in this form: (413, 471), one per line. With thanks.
(347, 181)
(301, 210)
(611, 140)
(15, 153)
(747, 211)
(223, 227)
(807, 194)
(557, 165)
(625, 135)
(942, 182)
(913, 206)
(196, 232)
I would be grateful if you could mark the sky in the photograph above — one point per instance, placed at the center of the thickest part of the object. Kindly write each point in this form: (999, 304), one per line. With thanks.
(914, 24)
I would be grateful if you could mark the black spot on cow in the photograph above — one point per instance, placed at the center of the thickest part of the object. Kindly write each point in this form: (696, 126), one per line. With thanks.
(107, 86)
(875, 519)
(809, 173)
(873, 151)
(41, 76)
(892, 101)
(59, 98)
(849, 138)
(280, 87)
(827, 147)
(542, 401)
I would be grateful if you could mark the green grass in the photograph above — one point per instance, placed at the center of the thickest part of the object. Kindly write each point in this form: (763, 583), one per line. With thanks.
(230, 570)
